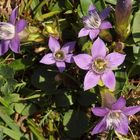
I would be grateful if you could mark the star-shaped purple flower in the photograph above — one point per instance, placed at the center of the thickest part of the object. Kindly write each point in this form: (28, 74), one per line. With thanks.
(9, 33)
(114, 117)
(99, 65)
(94, 22)
(59, 55)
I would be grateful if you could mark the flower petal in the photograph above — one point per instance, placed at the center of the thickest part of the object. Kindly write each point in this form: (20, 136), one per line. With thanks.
(105, 25)
(21, 24)
(91, 8)
(53, 44)
(131, 110)
(83, 32)
(98, 48)
(109, 80)
(115, 59)
(93, 33)
(61, 66)
(15, 44)
(68, 47)
(91, 80)
(122, 128)
(12, 18)
(99, 111)
(119, 104)
(48, 59)
(100, 127)
(105, 13)
(83, 61)
(69, 58)
(4, 46)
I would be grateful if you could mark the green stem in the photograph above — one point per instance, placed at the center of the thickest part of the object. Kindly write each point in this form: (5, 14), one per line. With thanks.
(51, 130)
(110, 135)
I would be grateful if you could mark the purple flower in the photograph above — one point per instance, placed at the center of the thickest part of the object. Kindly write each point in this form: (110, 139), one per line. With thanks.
(114, 117)
(99, 65)
(59, 55)
(94, 22)
(9, 33)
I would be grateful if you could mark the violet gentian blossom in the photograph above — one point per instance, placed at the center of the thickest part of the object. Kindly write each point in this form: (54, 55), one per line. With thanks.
(94, 22)
(99, 65)
(114, 117)
(59, 55)
(9, 33)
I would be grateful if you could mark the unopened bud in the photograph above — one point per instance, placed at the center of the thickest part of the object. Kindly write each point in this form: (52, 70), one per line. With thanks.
(123, 12)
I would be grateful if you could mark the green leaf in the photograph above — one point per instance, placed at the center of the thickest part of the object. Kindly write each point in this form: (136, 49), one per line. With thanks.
(86, 98)
(36, 130)
(34, 5)
(136, 28)
(11, 133)
(44, 80)
(8, 83)
(85, 5)
(47, 15)
(25, 109)
(111, 2)
(136, 52)
(77, 124)
(68, 4)
(10, 123)
(67, 117)
(9, 86)
(6, 71)
(20, 64)
(120, 80)
(37, 10)
(61, 100)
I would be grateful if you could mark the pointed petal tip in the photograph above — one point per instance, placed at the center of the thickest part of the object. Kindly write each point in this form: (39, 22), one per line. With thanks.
(119, 104)
(20, 25)
(61, 66)
(100, 127)
(83, 61)
(12, 18)
(53, 44)
(90, 80)
(98, 48)
(131, 110)
(109, 80)
(47, 59)
(115, 59)
(91, 7)
(83, 32)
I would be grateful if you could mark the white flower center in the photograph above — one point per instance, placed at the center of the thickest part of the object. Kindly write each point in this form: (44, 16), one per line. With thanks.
(7, 31)
(113, 119)
(59, 55)
(92, 21)
(99, 65)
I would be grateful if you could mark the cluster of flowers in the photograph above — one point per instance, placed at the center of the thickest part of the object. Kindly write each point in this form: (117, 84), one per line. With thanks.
(99, 64)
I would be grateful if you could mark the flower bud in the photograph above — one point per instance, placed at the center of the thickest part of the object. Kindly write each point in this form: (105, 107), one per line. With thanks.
(106, 35)
(122, 15)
